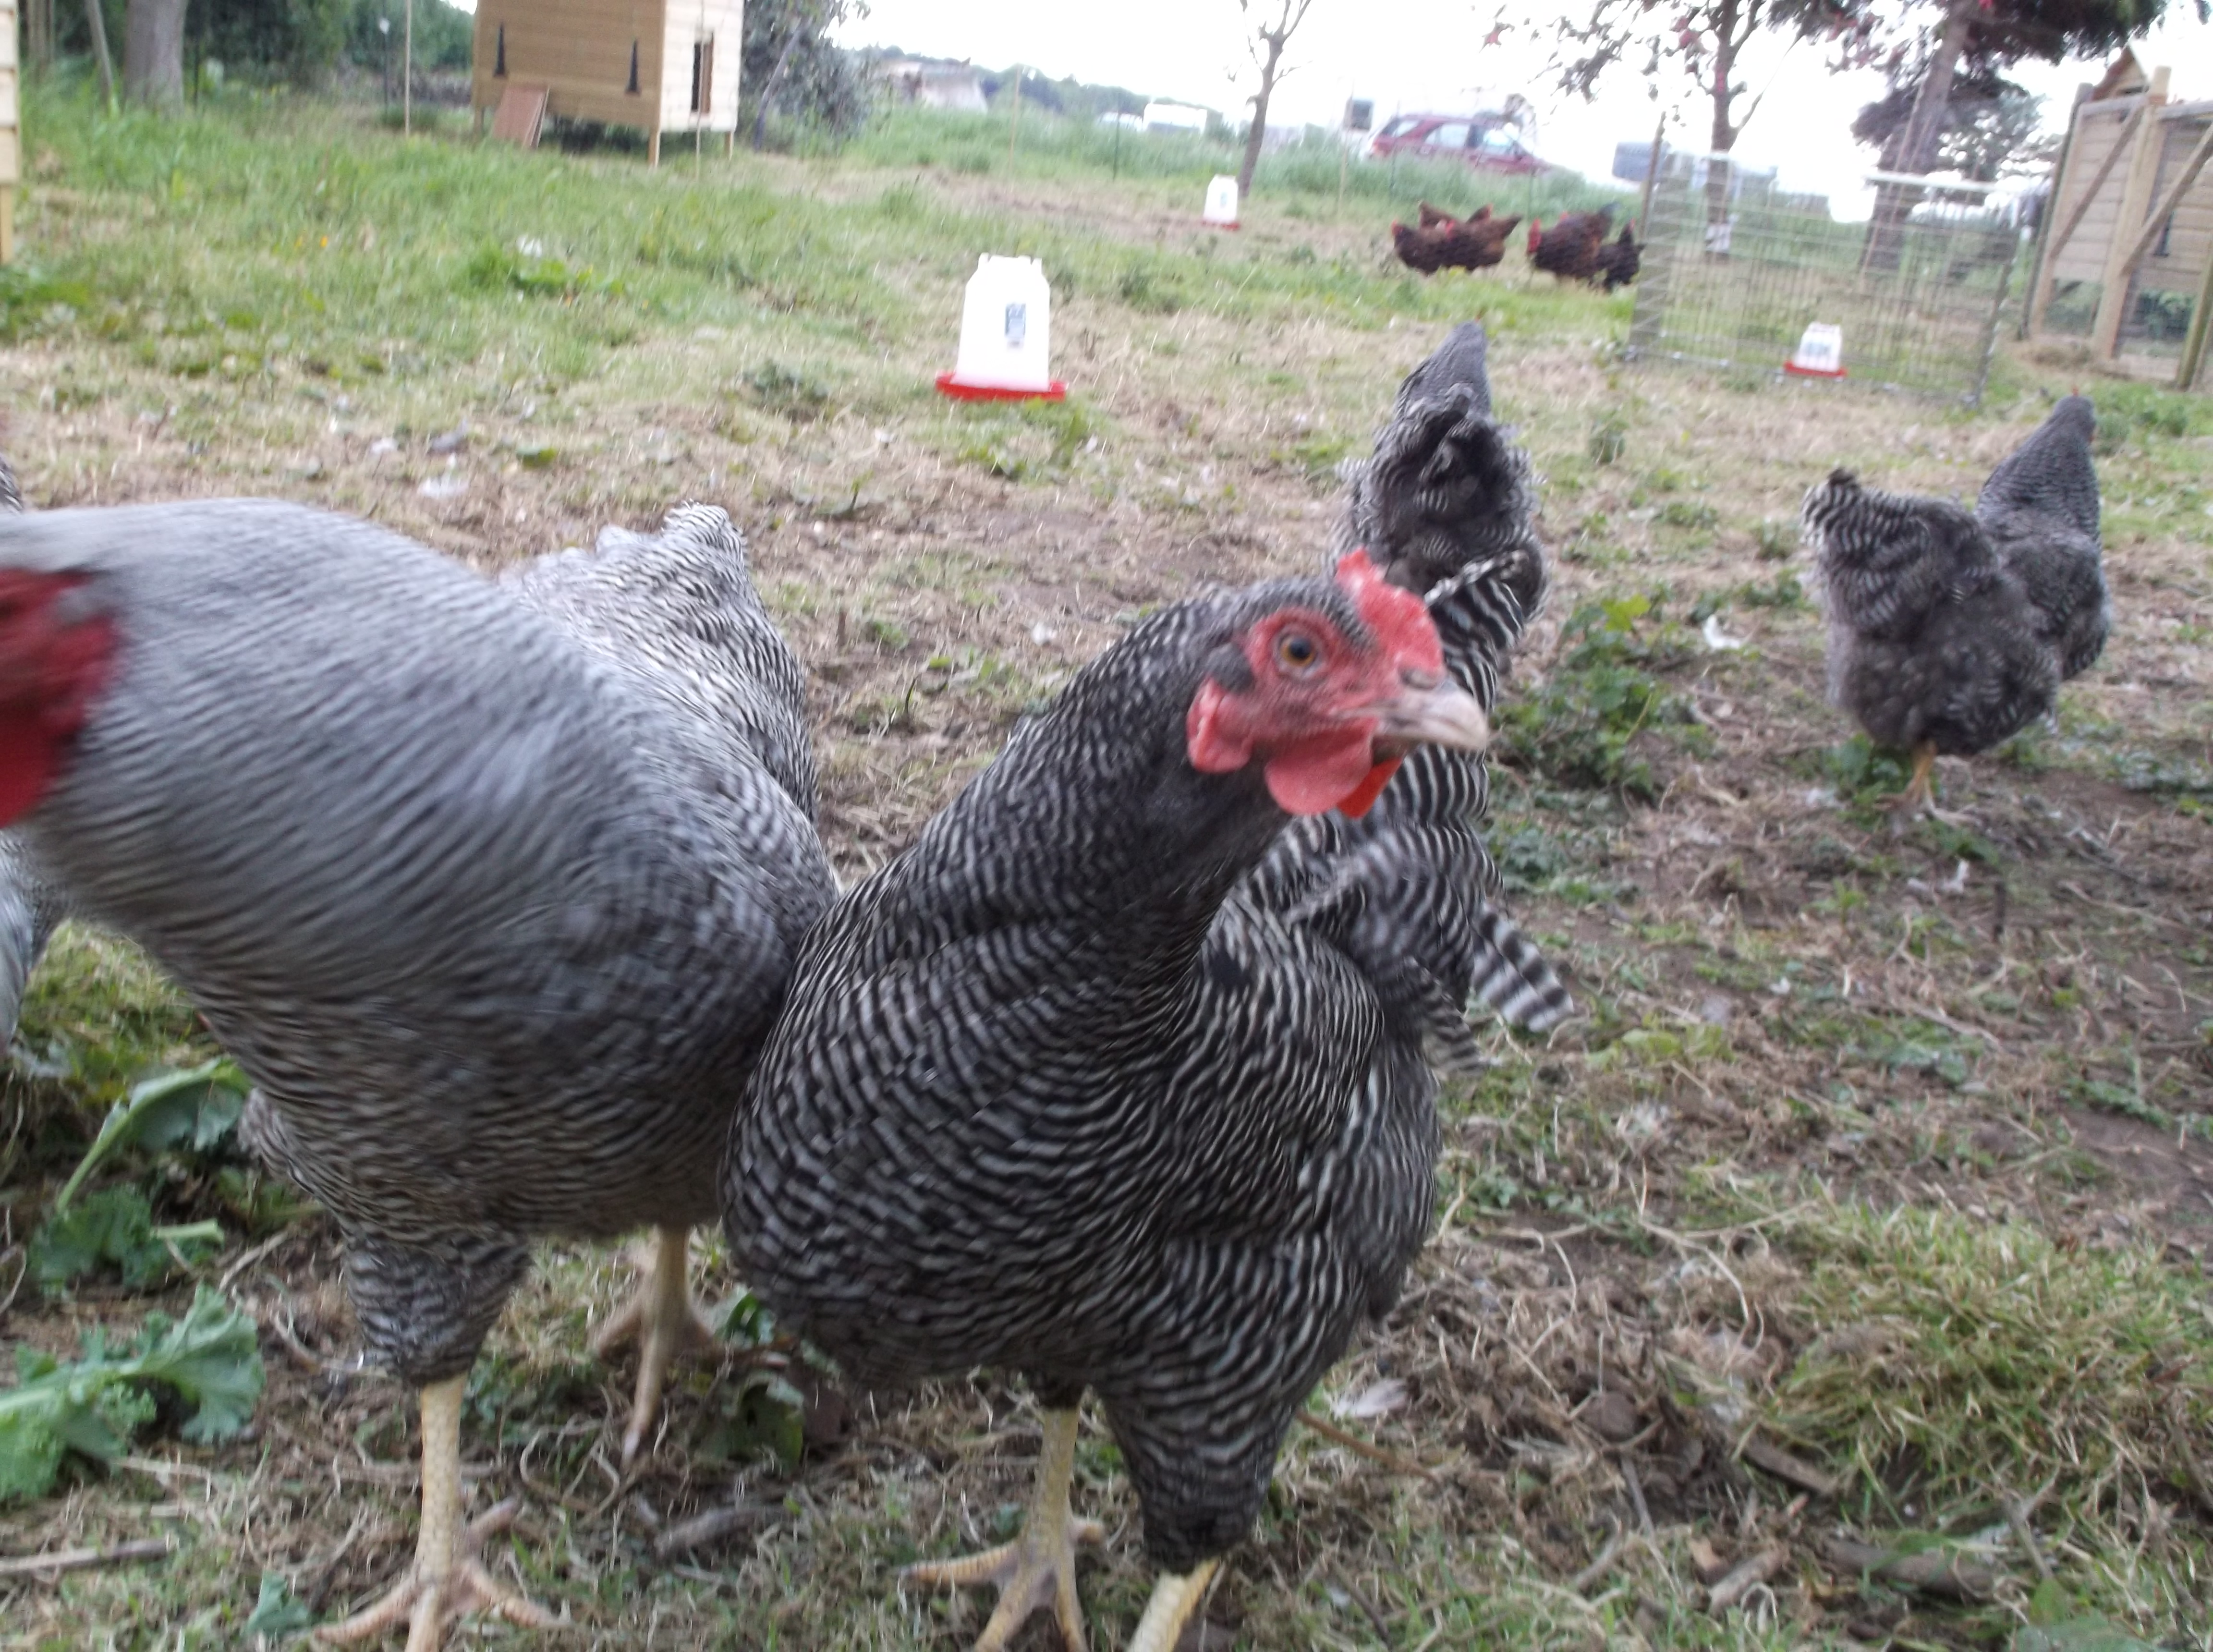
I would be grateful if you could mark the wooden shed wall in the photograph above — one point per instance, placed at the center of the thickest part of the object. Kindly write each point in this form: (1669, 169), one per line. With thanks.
(2099, 127)
(580, 51)
(691, 21)
(2189, 243)
(2177, 263)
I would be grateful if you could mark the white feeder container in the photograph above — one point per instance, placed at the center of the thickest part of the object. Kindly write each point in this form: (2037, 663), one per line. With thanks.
(1221, 202)
(1006, 328)
(1820, 352)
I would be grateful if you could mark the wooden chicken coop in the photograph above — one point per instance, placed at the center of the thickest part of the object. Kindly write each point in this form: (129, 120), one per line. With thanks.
(657, 66)
(2125, 265)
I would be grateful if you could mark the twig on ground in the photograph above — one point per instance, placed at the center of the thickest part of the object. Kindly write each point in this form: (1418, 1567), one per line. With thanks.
(55, 1561)
(702, 1529)
(2017, 1512)
(1747, 1576)
(1358, 1447)
(251, 1257)
(1602, 1563)
(1761, 1453)
(1637, 1498)
(1933, 1571)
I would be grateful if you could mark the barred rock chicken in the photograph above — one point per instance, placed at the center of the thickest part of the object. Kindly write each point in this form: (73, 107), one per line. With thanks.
(1570, 249)
(1949, 632)
(1120, 1076)
(493, 891)
(2040, 510)
(31, 906)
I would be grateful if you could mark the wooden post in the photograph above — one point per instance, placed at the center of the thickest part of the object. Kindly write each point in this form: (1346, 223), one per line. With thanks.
(2083, 202)
(1651, 178)
(653, 144)
(2039, 291)
(2201, 323)
(2136, 195)
(407, 74)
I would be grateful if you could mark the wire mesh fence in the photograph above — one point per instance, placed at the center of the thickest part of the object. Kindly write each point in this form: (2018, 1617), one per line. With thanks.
(1736, 270)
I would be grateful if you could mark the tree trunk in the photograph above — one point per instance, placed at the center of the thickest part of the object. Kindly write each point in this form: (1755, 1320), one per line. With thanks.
(154, 52)
(1724, 134)
(98, 25)
(1917, 143)
(1259, 134)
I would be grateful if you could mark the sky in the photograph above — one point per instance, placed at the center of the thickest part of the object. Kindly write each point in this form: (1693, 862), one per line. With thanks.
(1430, 55)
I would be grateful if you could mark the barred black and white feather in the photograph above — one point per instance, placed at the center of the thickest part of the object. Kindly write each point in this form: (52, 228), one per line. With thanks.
(1932, 638)
(2040, 510)
(1119, 1078)
(1445, 507)
(487, 888)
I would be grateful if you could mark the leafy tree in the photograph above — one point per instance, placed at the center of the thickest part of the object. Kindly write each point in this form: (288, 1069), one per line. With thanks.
(792, 67)
(1989, 130)
(1983, 36)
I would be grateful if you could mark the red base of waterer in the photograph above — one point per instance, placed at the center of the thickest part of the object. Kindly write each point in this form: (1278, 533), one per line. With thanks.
(947, 385)
(1814, 372)
(1209, 223)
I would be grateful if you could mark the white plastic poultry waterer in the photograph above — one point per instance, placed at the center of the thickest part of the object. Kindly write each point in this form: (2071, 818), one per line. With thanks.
(1006, 335)
(1820, 352)
(1220, 209)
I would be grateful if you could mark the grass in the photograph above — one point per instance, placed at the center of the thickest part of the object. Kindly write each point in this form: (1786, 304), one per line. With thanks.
(1948, 1083)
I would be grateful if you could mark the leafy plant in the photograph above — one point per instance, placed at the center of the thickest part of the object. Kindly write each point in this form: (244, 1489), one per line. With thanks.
(95, 1405)
(1579, 727)
(523, 268)
(114, 1228)
(197, 1109)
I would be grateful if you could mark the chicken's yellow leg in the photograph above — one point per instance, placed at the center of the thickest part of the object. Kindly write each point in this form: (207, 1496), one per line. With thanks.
(1175, 1598)
(446, 1580)
(660, 1316)
(1919, 797)
(1038, 1569)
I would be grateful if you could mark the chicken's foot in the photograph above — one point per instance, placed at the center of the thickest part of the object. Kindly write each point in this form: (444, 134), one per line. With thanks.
(1175, 1598)
(447, 1579)
(1919, 797)
(1038, 1569)
(661, 1317)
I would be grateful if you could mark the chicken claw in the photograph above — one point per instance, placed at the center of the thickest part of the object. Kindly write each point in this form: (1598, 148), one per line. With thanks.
(1038, 1569)
(446, 1580)
(660, 1316)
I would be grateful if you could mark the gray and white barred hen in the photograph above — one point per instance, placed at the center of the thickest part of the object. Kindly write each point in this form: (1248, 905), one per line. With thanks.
(493, 890)
(1120, 1077)
(32, 907)
(1951, 631)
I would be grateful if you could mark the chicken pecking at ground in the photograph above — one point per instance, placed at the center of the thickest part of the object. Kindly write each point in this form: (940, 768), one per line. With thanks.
(495, 899)
(1120, 1076)
(1951, 631)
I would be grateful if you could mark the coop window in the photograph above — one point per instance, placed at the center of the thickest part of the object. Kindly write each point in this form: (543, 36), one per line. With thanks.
(499, 56)
(632, 87)
(703, 75)
(2165, 235)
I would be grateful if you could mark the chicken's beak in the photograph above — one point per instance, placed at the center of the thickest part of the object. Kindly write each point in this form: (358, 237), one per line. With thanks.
(1430, 710)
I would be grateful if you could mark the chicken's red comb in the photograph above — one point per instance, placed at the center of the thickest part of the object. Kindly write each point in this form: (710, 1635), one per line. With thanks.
(1399, 621)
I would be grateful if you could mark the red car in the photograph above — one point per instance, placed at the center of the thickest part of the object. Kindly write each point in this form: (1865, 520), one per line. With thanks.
(1485, 142)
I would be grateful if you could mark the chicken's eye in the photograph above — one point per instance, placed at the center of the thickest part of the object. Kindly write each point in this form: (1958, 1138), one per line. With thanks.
(1298, 653)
